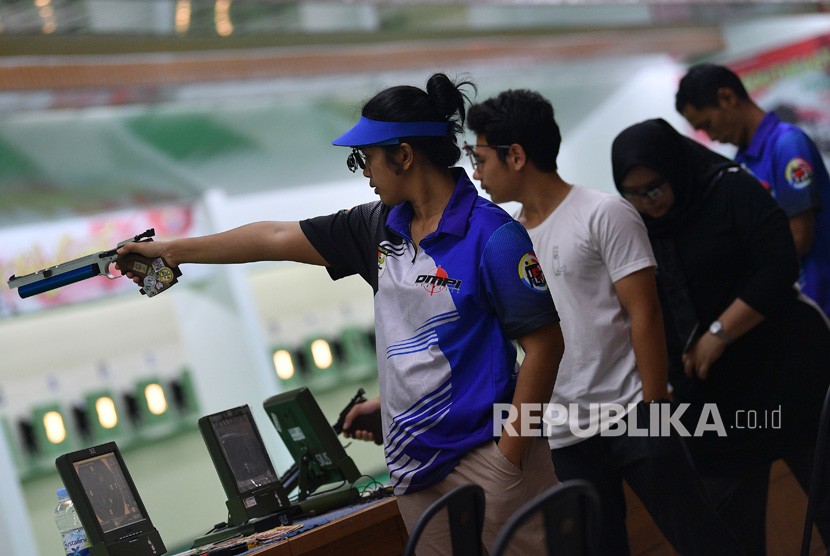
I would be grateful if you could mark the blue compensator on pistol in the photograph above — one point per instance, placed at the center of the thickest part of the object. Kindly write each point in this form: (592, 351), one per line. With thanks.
(156, 275)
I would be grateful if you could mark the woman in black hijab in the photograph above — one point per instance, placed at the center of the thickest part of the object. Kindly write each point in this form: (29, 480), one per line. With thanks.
(740, 336)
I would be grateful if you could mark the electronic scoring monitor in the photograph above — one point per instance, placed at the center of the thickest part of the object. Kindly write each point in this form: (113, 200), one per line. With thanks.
(319, 457)
(107, 502)
(251, 484)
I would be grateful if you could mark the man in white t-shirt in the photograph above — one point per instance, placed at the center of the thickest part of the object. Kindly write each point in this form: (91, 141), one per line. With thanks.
(595, 253)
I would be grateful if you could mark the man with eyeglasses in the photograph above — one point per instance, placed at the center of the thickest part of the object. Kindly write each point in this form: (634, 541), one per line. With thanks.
(595, 254)
(713, 99)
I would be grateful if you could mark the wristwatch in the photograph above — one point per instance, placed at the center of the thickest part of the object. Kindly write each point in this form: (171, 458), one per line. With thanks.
(716, 329)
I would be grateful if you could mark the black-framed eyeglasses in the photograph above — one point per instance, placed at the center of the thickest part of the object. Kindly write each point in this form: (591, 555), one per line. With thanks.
(652, 192)
(356, 160)
(471, 152)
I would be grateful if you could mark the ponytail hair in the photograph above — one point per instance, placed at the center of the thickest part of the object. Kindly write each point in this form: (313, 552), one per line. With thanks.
(442, 101)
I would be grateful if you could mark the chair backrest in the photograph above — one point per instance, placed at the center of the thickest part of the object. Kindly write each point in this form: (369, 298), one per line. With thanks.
(570, 514)
(465, 510)
(817, 477)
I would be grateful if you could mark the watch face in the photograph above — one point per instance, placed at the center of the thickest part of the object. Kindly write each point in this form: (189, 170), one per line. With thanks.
(716, 329)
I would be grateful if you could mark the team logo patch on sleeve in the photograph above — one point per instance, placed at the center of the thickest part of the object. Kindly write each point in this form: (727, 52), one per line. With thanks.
(530, 273)
(799, 173)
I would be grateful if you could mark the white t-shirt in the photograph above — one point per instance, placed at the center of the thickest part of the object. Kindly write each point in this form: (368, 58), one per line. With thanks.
(591, 240)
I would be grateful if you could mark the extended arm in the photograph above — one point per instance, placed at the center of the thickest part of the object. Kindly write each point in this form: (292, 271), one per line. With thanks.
(543, 351)
(637, 293)
(259, 241)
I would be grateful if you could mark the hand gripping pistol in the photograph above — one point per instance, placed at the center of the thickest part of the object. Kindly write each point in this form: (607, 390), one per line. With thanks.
(156, 275)
(371, 422)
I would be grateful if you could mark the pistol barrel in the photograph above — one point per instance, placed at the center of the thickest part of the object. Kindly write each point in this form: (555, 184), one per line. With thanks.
(58, 280)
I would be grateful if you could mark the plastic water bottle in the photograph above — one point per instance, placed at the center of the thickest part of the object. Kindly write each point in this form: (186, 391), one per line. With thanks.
(75, 542)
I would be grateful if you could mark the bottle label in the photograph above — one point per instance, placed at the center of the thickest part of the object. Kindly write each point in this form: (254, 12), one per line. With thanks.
(75, 543)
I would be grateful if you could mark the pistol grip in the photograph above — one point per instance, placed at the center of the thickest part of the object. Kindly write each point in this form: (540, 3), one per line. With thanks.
(369, 422)
(156, 275)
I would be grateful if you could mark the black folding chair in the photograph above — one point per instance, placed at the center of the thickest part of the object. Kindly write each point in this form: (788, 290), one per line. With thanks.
(817, 477)
(465, 510)
(570, 514)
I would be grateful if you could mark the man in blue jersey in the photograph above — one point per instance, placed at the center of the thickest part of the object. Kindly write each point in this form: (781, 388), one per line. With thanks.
(714, 100)
(455, 283)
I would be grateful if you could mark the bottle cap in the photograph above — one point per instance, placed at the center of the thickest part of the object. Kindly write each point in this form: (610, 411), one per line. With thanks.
(61, 492)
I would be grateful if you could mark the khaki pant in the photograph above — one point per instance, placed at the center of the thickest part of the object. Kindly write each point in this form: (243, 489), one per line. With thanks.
(506, 488)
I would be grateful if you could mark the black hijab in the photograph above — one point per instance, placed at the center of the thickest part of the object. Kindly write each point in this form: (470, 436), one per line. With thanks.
(689, 168)
(691, 171)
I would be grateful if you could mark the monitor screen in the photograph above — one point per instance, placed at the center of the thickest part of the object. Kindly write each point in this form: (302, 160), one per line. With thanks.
(106, 499)
(243, 449)
(242, 463)
(107, 490)
(310, 440)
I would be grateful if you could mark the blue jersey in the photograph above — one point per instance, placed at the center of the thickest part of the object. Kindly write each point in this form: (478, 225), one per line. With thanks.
(789, 164)
(445, 317)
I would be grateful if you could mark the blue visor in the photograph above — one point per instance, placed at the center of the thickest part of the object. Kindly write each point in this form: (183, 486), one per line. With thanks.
(367, 133)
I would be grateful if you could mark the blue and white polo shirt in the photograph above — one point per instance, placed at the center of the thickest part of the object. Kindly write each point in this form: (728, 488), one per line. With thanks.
(445, 318)
(790, 165)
